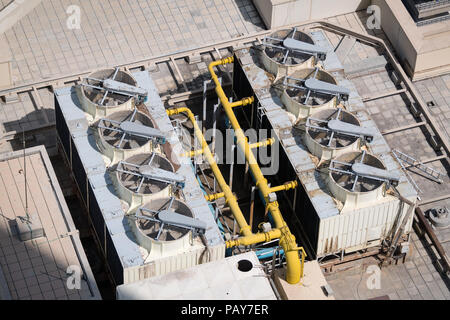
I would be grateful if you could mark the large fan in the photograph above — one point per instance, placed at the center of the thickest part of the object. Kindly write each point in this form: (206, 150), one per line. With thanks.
(315, 87)
(129, 130)
(361, 172)
(336, 128)
(148, 174)
(291, 47)
(111, 87)
(167, 220)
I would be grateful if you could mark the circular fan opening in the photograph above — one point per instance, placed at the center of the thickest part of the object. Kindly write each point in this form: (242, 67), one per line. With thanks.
(300, 95)
(153, 229)
(111, 99)
(116, 138)
(135, 182)
(278, 55)
(338, 141)
(245, 265)
(347, 181)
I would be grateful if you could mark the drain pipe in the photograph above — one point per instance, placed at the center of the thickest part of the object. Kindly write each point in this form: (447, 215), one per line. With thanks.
(287, 239)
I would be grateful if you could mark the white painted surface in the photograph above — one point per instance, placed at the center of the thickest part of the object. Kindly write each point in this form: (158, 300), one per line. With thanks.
(220, 280)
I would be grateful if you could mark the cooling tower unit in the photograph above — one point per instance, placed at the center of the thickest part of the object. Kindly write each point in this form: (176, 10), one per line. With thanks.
(126, 133)
(110, 90)
(340, 205)
(146, 177)
(332, 132)
(166, 227)
(288, 50)
(309, 90)
(358, 179)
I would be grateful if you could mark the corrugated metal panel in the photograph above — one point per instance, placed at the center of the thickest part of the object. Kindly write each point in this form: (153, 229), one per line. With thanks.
(358, 229)
(173, 263)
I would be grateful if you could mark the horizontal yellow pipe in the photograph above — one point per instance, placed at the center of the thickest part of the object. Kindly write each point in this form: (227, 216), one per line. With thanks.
(285, 187)
(193, 153)
(255, 238)
(264, 143)
(215, 196)
(287, 239)
(229, 196)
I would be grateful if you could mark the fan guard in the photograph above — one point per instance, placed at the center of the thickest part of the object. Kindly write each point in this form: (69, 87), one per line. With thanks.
(302, 102)
(278, 61)
(99, 104)
(136, 189)
(116, 144)
(169, 240)
(355, 191)
(324, 143)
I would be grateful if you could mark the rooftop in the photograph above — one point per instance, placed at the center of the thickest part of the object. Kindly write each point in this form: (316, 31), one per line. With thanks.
(37, 268)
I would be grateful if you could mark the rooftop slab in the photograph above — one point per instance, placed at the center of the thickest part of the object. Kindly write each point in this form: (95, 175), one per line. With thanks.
(118, 32)
(39, 268)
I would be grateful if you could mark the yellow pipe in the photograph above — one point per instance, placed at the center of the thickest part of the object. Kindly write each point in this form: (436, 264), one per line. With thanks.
(215, 196)
(255, 238)
(264, 143)
(193, 153)
(285, 187)
(287, 239)
(229, 196)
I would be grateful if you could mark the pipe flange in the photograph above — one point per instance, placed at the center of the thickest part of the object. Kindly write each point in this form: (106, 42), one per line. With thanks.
(439, 217)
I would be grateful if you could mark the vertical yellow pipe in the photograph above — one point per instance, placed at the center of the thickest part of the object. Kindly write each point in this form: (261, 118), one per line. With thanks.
(229, 196)
(287, 239)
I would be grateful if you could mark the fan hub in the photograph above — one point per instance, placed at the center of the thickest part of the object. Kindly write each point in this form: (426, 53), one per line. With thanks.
(348, 128)
(326, 88)
(139, 130)
(123, 88)
(171, 217)
(159, 174)
(296, 45)
(372, 172)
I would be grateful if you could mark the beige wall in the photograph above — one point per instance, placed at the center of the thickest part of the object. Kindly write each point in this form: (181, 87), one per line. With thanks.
(277, 13)
(418, 55)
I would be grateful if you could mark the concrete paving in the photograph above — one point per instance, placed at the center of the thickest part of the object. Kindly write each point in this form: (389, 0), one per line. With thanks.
(117, 32)
(417, 279)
